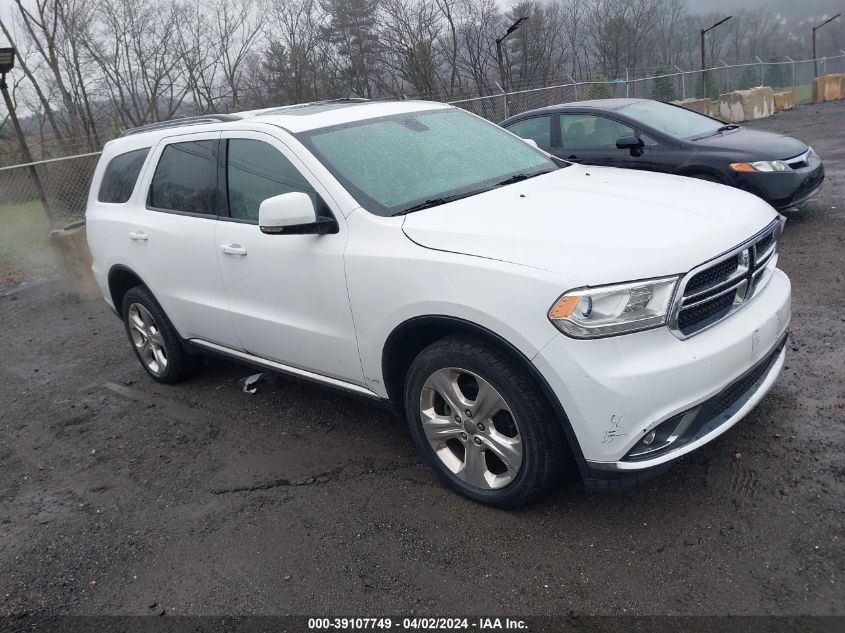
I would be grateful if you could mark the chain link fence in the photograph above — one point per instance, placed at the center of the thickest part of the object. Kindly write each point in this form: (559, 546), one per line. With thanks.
(34, 199)
(674, 85)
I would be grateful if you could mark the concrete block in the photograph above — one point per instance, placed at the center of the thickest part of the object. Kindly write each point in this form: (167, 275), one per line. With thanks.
(829, 88)
(784, 100)
(747, 105)
(71, 245)
(702, 106)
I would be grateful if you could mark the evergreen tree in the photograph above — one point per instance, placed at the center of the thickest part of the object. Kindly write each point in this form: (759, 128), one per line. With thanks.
(663, 88)
(706, 80)
(351, 28)
(777, 74)
(750, 78)
(600, 88)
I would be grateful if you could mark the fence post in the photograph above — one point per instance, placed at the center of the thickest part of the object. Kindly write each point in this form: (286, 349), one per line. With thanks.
(791, 61)
(627, 84)
(504, 98)
(727, 75)
(761, 69)
(574, 84)
(27, 157)
(683, 83)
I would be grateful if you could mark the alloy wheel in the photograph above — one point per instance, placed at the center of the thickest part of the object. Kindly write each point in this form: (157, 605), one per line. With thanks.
(147, 339)
(471, 428)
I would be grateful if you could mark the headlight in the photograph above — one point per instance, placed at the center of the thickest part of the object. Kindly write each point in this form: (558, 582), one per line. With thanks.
(617, 309)
(762, 165)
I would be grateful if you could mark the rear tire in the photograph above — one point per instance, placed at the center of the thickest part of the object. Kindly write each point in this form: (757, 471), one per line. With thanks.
(154, 339)
(483, 424)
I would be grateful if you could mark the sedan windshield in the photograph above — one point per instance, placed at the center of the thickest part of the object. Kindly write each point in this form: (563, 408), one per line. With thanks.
(407, 162)
(672, 120)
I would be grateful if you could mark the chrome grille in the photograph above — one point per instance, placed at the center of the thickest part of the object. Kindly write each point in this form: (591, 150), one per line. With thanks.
(710, 292)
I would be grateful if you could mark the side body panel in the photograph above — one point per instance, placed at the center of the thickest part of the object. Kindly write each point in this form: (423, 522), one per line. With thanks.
(287, 294)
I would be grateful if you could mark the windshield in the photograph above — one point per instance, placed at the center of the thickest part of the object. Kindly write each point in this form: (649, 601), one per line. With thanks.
(672, 120)
(400, 163)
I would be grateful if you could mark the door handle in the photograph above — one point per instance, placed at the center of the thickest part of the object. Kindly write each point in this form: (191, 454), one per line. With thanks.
(138, 236)
(233, 249)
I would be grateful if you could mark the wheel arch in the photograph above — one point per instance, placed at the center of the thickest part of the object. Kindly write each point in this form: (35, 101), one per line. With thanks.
(693, 170)
(121, 279)
(409, 338)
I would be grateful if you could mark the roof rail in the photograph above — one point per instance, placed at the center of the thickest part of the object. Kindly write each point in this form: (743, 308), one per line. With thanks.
(188, 120)
(311, 104)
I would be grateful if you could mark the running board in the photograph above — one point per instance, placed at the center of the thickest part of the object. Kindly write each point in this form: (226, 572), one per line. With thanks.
(285, 369)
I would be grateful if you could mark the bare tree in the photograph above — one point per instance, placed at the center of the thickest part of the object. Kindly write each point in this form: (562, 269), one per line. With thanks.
(136, 49)
(292, 61)
(409, 33)
(478, 32)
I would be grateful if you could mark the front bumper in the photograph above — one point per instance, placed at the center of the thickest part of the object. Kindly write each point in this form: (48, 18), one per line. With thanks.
(784, 189)
(616, 390)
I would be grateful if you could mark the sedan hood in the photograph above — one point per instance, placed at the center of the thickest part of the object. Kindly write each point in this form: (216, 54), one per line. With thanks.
(596, 225)
(760, 145)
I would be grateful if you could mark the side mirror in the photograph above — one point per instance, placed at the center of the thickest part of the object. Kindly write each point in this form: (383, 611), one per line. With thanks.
(629, 142)
(531, 142)
(292, 214)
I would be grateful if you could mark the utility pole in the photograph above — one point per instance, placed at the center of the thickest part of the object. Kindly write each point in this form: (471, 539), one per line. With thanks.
(7, 62)
(503, 76)
(703, 64)
(816, 28)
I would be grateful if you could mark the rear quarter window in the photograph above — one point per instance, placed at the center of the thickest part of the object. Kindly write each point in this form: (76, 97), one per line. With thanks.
(121, 175)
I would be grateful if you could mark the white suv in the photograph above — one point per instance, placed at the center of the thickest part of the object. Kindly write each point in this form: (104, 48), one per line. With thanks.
(524, 315)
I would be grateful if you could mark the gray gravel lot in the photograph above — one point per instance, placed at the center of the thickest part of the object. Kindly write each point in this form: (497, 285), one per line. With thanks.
(122, 496)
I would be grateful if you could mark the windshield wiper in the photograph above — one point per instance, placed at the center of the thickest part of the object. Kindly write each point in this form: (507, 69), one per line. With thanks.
(724, 128)
(518, 178)
(434, 202)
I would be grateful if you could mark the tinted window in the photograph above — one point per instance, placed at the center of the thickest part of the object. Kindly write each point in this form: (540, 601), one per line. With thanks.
(586, 131)
(671, 120)
(257, 171)
(121, 174)
(537, 128)
(186, 178)
(393, 163)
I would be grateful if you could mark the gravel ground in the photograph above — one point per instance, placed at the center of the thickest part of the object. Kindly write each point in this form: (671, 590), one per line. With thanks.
(122, 496)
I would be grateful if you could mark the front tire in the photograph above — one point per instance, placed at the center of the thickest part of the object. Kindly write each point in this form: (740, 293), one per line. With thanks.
(483, 423)
(154, 339)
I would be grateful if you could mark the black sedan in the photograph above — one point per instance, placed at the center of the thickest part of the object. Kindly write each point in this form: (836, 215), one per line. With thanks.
(656, 136)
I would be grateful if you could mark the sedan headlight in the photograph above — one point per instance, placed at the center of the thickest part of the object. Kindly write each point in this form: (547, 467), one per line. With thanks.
(762, 165)
(616, 309)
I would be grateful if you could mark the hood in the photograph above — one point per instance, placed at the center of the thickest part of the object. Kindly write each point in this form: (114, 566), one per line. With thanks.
(596, 225)
(760, 145)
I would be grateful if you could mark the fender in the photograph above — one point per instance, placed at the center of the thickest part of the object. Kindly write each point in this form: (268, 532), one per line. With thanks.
(409, 338)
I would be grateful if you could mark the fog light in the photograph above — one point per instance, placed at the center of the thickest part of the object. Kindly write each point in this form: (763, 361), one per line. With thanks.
(649, 438)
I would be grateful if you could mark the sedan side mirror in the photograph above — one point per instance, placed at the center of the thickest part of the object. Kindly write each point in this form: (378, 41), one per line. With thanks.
(293, 214)
(629, 142)
(532, 143)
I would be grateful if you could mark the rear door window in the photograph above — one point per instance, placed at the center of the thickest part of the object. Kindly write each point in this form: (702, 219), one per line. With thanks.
(120, 176)
(185, 179)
